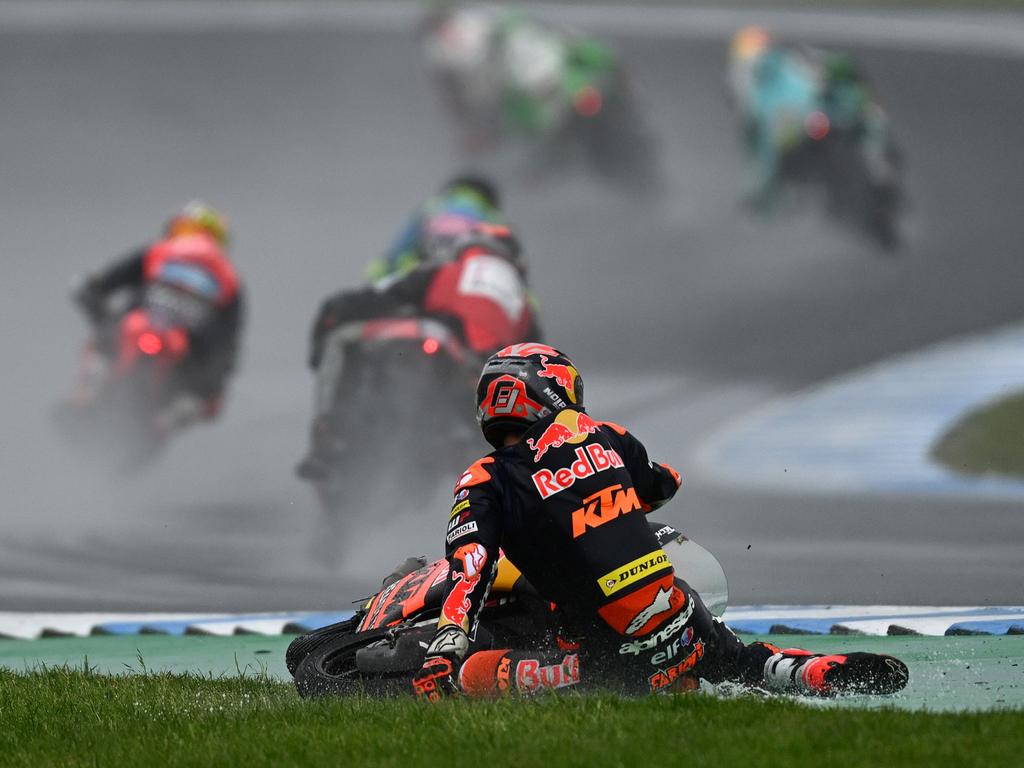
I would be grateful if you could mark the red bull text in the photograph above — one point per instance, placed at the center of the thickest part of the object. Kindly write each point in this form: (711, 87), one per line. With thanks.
(590, 459)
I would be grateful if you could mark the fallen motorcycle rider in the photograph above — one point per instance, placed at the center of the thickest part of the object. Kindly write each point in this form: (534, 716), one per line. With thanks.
(564, 497)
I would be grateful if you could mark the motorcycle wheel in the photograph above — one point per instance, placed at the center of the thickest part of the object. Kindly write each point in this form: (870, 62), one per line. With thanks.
(882, 218)
(330, 670)
(302, 646)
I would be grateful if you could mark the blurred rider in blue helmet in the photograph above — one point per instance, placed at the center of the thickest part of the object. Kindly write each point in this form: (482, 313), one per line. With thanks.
(454, 260)
(460, 202)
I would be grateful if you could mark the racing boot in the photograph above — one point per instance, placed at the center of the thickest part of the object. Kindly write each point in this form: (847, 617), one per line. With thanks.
(325, 451)
(798, 671)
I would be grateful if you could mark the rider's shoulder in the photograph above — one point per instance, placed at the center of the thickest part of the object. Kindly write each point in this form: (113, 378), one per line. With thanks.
(478, 473)
(616, 428)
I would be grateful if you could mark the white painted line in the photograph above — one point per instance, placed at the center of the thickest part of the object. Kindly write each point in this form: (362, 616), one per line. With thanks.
(783, 612)
(991, 34)
(872, 430)
(257, 626)
(27, 625)
(935, 625)
(871, 619)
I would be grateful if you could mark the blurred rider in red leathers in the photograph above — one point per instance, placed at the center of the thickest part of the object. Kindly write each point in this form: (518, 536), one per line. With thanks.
(192, 256)
(475, 283)
(565, 496)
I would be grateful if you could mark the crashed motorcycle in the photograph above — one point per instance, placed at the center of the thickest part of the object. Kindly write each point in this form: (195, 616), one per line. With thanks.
(398, 388)
(122, 407)
(379, 649)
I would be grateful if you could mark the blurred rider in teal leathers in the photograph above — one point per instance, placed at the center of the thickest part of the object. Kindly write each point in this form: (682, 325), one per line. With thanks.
(784, 94)
(775, 91)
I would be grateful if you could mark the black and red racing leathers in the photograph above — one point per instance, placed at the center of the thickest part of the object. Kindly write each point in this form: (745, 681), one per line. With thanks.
(567, 506)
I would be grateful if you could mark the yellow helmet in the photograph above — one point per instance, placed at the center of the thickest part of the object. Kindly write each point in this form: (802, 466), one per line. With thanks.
(749, 42)
(196, 216)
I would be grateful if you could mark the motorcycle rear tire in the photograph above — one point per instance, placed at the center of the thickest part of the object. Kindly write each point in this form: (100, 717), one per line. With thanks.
(302, 646)
(330, 670)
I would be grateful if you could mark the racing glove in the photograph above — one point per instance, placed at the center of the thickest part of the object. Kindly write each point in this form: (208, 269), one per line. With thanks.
(436, 679)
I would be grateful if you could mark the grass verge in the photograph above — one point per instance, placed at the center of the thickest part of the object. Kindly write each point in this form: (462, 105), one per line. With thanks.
(989, 440)
(73, 717)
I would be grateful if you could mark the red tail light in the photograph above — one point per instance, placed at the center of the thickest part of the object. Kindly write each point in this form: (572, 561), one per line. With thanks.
(430, 346)
(587, 101)
(817, 125)
(149, 343)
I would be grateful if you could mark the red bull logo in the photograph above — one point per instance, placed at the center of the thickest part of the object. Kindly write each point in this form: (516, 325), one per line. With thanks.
(563, 375)
(568, 427)
(590, 459)
(456, 606)
(531, 675)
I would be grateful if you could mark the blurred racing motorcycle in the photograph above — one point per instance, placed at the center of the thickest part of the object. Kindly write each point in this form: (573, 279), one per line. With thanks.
(126, 405)
(810, 118)
(383, 644)
(502, 75)
(387, 420)
(859, 169)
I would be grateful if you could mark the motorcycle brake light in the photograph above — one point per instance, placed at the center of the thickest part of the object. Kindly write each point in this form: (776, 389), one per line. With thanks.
(430, 346)
(817, 125)
(587, 101)
(149, 343)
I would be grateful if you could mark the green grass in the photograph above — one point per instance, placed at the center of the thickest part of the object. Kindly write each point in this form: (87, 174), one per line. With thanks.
(72, 717)
(989, 440)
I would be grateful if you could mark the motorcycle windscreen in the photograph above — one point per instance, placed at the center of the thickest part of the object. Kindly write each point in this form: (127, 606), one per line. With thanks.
(701, 570)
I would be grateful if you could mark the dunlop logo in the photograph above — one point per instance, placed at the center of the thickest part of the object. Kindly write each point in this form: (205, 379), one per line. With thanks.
(634, 571)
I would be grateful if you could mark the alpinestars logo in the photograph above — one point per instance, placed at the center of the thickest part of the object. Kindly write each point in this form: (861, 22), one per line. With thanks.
(663, 635)
(662, 602)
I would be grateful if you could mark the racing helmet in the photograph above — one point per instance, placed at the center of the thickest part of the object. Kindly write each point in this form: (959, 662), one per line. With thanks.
(198, 217)
(445, 238)
(749, 42)
(840, 68)
(458, 39)
(520, 385)
(475, 188)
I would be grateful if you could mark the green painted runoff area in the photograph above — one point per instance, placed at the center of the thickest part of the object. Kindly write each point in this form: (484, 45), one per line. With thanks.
(946, 673)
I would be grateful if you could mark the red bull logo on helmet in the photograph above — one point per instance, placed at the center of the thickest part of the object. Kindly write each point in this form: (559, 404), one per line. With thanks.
(568, 427)
(563, 375)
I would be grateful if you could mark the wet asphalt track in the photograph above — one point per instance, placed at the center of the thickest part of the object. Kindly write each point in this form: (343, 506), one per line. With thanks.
(682, 313)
